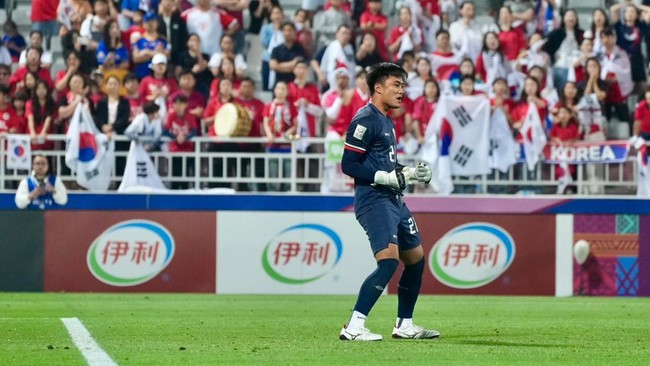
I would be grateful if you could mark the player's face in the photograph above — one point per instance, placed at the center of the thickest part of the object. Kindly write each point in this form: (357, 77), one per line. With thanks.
(392, 92)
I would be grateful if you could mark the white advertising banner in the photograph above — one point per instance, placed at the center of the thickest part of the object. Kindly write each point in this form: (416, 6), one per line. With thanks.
(291, 253)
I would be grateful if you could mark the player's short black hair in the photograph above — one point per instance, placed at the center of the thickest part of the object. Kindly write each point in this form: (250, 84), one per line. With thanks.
(378, 74)
(150, 108)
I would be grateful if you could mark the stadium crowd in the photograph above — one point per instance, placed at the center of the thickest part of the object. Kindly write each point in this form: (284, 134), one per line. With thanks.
(170, 65)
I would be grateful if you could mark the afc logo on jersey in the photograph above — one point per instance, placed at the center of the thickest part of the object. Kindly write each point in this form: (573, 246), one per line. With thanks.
(359, 132)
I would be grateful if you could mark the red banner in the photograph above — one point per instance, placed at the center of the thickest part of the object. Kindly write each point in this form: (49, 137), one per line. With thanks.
(130, 251)
(487, 254)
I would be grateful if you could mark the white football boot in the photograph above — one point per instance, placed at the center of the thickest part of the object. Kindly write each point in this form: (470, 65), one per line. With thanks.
(358, 334)
(414, 332)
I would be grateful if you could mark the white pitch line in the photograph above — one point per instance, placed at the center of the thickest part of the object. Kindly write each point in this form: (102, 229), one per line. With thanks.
(92, 352)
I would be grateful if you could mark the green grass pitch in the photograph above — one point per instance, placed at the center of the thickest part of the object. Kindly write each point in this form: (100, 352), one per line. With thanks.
(183, 329)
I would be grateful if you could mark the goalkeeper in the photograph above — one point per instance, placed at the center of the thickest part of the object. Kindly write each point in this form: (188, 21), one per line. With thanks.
(370, 157)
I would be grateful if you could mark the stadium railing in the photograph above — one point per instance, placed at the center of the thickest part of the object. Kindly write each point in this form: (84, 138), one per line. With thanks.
(210, 166)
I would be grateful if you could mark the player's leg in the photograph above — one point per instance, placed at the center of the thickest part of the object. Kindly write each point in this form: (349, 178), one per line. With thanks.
(380, 224)
(408, 288)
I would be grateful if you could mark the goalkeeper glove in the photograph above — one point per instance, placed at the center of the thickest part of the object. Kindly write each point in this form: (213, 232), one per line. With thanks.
(394, 179)
(420, 174)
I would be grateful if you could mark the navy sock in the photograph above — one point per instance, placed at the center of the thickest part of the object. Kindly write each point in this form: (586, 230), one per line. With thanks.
(374, 285)
(408, 289)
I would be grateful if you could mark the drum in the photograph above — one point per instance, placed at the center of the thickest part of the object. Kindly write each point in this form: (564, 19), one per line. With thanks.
(232, 120)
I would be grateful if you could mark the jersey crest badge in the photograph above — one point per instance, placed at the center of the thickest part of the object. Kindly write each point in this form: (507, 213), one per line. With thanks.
(359, 132)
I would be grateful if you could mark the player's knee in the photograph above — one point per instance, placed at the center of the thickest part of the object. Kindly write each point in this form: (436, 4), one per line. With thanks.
(387, 268)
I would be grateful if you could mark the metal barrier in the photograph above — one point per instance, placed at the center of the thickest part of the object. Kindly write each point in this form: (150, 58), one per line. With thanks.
(245, 165)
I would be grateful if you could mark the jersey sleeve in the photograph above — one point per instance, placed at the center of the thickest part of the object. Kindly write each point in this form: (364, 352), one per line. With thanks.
(359, 135)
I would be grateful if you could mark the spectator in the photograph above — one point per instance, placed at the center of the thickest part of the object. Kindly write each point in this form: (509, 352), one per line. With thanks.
(13, 40)
(306, 98)
(132, 86)
(367, 52)
(93, 27)
(328, 23)
(146, 126)
(225, 71)
(376, 23)
(235, 8)
(569, 98)
(580, 59)
(423, 108)
(415, 87)
(131, 8)
(224, 95)
(77, 94)
(632, 32)
(71, 13)
(523, 10)
(157, 87)
(280, 122)
(41, 190)
(286, 56)
(210, 24)
(501, 99)
(305, 37)
(259, 11)
(564, 132)
(339, 53)
(271, 37)
(599, 21)
(95, 87)
(195, 100)
(405, 36)
(148, 46)
(18, 102)
(36, 40)
(112, 116)
(33, 65)
(530, 94)
(43, 20)
(112, 112)
(465, 33)
(5, 56)
(512, 39)
(491, 63)
(8, 120)
(444, 62)
(560, 46)
(332, 102)
(172, 27)
(111, 52)
(255, 109)
(616, 71)
(62, 78)
(135, 31)
(5, 74)
(181, 126)
(196, 62)
(593, 84)
(29, 85)
(41, 115)
(228, 50)
(642, 117)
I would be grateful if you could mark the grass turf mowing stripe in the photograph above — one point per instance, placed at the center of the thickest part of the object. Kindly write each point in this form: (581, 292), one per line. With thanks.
(92, 352)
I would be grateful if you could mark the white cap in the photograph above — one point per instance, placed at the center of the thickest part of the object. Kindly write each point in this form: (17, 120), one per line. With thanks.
(159, 58)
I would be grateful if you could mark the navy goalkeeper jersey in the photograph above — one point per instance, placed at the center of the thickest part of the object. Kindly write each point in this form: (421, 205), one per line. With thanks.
(372, 134)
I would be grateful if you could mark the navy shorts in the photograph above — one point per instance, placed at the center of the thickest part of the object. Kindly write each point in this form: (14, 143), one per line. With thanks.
(388, 220)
